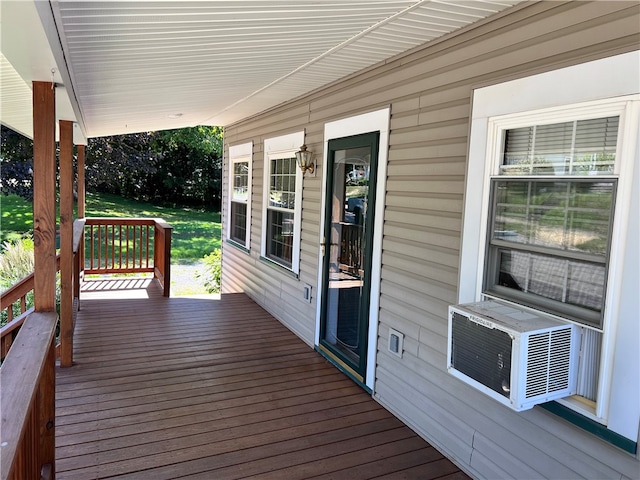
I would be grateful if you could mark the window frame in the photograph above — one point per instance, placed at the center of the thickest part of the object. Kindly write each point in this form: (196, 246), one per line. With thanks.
(277, 148)
(580, 314)
(609, 87)
(242, 153)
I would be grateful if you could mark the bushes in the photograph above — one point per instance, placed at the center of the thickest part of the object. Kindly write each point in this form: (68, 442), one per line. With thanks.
(16, 262)
(212, 274)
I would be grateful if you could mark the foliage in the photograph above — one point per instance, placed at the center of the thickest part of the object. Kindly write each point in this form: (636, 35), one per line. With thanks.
(16, 159)
(174, 167)
(16, 261)
(121, 165)
(213, 273)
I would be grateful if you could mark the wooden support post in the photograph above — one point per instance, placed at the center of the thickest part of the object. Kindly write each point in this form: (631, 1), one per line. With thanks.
(66, 243)
(44, 196)
(81, 186)
(81, 189)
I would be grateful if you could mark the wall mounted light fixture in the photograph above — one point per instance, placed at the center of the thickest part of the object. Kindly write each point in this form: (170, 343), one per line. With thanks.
(304, 159)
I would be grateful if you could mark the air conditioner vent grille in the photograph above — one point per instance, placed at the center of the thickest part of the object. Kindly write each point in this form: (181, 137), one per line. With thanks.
(549, 356)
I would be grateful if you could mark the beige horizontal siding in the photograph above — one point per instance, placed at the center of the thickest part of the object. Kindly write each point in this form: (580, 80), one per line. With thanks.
(429, 92)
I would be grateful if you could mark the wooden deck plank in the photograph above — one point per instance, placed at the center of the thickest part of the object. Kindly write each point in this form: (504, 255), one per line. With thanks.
(216, 388)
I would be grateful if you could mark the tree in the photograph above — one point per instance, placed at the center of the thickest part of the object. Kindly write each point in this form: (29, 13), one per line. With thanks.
(121, 165)
(182, 166)
(190, 168)
(16, 163)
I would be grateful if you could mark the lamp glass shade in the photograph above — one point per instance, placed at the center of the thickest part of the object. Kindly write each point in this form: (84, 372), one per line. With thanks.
(303, 157)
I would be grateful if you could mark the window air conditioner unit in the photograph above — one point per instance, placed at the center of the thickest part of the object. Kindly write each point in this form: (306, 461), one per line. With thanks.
(517, 357)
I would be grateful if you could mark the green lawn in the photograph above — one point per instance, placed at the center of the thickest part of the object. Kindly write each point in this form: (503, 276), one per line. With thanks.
(16, 217)
(196, 232)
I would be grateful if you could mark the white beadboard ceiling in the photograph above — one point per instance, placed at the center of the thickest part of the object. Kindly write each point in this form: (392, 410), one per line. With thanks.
(132, 66)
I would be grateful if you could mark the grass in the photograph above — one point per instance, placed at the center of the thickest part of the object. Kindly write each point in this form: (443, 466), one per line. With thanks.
(16, 217)
(196, 232)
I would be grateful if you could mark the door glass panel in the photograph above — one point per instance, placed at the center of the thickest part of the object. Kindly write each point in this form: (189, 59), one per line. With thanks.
(346, 312)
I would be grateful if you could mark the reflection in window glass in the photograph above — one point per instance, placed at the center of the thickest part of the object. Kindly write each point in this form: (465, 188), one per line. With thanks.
(555, 278)
(282, 185)
(239, 200)
(565, 215)
(240, 180)
(279, 246)
(280, 211)
(238, 222)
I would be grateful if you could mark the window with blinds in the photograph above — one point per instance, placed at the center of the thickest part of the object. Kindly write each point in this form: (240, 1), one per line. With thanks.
(551, 218)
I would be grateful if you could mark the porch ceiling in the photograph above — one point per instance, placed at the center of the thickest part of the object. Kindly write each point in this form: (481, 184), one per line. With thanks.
(130, 66)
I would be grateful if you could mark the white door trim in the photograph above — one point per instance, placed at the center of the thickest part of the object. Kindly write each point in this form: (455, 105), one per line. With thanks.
(377, 121)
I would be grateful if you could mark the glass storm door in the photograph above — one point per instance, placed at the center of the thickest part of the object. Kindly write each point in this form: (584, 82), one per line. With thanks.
(347, 240)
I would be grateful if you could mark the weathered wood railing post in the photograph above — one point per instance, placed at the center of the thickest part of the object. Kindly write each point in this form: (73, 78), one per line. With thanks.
(162, 254)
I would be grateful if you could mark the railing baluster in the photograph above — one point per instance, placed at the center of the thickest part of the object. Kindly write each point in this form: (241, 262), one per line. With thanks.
(120, 246)
(141, 250)
(113, 246)
(127, 250)
(99, 246)
(148, 241)
(133, 247)
(91, 249)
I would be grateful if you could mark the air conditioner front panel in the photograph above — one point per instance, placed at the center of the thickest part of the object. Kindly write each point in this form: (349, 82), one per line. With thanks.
(481, 354)
(516, 357)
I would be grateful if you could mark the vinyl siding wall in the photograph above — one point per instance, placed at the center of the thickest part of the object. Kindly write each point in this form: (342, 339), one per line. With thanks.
(429, 92)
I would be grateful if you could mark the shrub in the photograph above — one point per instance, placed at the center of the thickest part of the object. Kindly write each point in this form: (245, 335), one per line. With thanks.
(16, 261)
(213, 271)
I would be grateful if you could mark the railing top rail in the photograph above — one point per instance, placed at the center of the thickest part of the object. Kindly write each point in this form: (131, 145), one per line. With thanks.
(19, 376)
(78, 230)
(161, 223)
(15, 323)
(119, 221)
(16, 291)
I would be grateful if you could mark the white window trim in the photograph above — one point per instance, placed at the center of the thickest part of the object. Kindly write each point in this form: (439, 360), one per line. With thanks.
(602, 84)
(240, 153)
(284, 146)
(377, 121)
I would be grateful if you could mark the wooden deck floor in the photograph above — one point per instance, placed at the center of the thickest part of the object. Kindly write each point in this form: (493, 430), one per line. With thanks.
(216, 389)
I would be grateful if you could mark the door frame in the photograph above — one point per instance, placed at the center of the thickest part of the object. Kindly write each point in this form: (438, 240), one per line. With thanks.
(377, 121)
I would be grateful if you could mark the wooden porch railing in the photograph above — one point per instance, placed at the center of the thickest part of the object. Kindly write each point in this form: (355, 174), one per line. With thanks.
(129, 245)
(12, 299)
(27, 402)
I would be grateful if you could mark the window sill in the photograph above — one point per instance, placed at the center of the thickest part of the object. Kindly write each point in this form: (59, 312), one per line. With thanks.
(591, 426)
(279, 267)
(237, 245)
